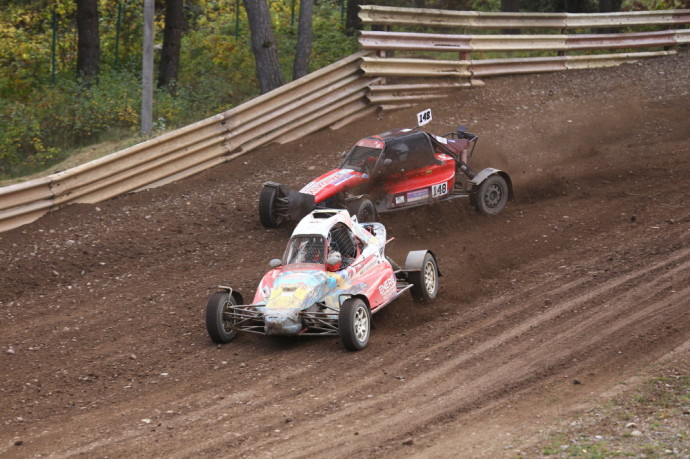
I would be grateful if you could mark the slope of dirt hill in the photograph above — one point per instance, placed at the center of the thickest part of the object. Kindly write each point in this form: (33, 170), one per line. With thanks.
(579, 286)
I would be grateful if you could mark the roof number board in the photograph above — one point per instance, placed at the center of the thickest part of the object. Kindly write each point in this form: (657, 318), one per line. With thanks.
(424, 117)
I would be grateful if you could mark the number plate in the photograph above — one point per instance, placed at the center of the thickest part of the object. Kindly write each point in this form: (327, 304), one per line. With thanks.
(424, 117)
(439, 190)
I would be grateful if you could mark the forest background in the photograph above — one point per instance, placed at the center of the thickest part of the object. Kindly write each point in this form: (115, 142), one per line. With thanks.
(59, 93)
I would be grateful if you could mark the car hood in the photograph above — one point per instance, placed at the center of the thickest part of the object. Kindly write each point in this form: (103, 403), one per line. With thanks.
(333, 182)
(299, 290)
(295, 291)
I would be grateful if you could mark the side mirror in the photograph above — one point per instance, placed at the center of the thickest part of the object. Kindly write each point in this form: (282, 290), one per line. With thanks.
(276, 262)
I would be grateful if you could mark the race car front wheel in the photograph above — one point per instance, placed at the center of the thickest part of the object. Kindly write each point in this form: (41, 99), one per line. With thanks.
(219, 328)
(363, 209)
(425, 281)
(271, 207)
(491, 196)
(354, 324)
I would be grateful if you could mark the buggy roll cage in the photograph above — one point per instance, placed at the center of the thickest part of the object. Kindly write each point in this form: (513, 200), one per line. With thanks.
(461, 133)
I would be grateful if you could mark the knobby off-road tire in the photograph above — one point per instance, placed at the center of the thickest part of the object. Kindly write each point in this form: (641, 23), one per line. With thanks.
(354, 324)
(267, 207)
(218, 328)
(491, 196)
(363, 209)
(425, 281)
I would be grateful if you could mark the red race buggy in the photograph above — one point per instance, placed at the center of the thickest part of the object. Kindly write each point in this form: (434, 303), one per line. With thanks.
(392, 171)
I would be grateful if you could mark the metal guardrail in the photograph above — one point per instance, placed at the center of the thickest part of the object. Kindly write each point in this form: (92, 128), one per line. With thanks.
(395, 67)
(322, 98)
(385, 94)
(392, 16)
(403, 41)
(399, 44)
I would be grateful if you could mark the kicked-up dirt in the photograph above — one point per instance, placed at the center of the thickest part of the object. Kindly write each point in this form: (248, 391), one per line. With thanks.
(558, 303)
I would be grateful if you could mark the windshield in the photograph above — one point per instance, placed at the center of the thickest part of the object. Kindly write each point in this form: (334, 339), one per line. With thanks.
(305, 249)
(361, 159)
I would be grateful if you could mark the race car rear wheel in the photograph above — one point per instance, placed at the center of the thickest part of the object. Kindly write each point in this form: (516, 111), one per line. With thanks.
(363, 209)
(354, 324)
(491, 196)
(271, 207)
(219, 328)
(425, 281)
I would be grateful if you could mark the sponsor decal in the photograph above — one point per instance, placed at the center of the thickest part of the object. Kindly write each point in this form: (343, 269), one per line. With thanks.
(387, 287)
(335, 178)
(400, 199)
(349, 173)
(418, 195)
(371, 143)
(442, 140)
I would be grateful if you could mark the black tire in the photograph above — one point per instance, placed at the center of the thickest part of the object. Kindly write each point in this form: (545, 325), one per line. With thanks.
(217, 327)
(354, 324)
(363, 209)
(269, 207)
(425, 281)
(491, 196)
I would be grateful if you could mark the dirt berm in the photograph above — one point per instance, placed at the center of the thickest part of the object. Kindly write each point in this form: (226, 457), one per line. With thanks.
(579, 286)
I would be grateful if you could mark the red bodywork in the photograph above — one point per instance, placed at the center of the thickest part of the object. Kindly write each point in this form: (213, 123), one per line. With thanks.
(432, 181)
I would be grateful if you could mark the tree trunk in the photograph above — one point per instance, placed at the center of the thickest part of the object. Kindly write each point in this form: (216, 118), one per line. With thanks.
(352, 22)
(88, 45)
(461, 5)
(575, 6)
(304, 39)
(609, 6)
(510, 6)
(263, 45)
(147, 69)
(172, 37)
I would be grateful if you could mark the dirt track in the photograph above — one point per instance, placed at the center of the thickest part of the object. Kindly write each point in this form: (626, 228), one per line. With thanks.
(585, 278)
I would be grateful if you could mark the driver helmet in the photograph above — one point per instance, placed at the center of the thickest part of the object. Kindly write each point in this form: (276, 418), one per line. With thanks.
(334, 261)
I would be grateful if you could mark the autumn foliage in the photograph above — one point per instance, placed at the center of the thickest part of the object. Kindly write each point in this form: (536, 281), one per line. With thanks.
(46, 111)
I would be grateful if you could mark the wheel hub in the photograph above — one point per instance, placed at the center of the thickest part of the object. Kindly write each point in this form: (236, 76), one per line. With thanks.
(430, 278)
(361, 325)
(493, 196)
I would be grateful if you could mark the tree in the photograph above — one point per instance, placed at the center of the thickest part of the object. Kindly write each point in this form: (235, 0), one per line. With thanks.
(263, 45)
(147, 68)
(304, 39)
(352, 21)
(510, 6)
(172, 37)
(608, 6)
(462, 5)
(88, 44)
(576, 6)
